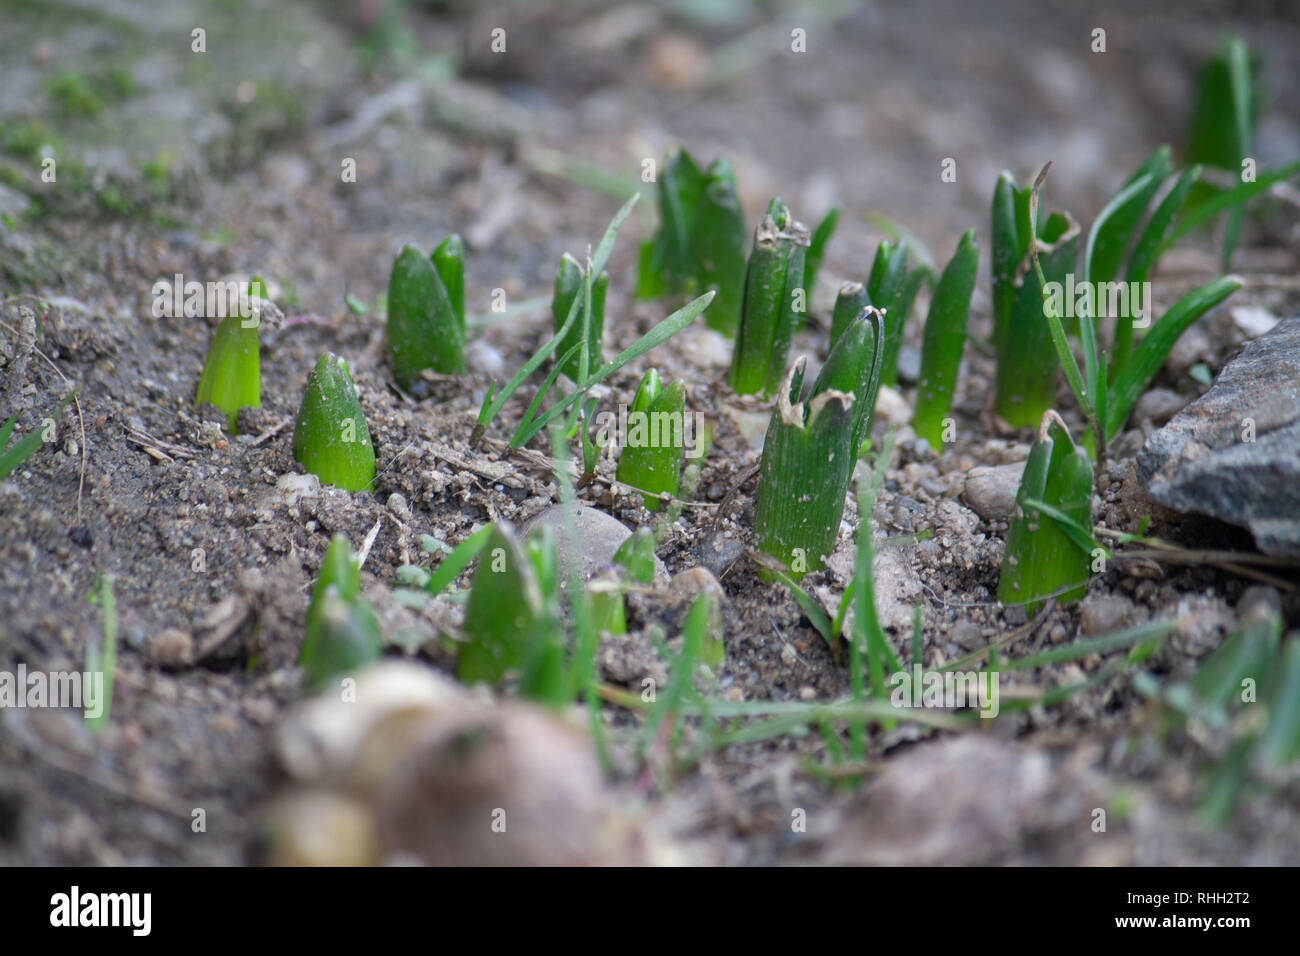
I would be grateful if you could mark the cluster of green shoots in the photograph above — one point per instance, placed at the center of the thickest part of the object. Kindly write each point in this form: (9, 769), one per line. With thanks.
(528, 627)
(330, 437)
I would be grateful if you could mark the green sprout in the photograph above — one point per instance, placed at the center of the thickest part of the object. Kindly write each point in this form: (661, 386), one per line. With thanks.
(1025, 385)
(426, 329)
(1107, 400)
(513, 620)
(700, 245)
(849, 303)
(892, 288)
(718, 248)
(651, 459)
(1047, 553)
(342, 630)
(570, 287)
(232, 376)
(667, 257)
(774, 299)
(634, 562)
(811, 448)
(330, 438)
(945, 335)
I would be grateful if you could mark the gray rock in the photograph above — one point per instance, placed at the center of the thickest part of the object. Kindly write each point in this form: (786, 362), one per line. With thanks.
(599, 537)
(1203, 461)
(719, 552)
(1103, 613)
(909, 365)
(991, 491)
(1158, 406)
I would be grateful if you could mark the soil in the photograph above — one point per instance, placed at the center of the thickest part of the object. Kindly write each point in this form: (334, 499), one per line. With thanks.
(213, 552)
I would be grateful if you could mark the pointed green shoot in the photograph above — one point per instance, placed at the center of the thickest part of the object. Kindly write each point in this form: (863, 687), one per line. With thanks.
(681, 186)
(505, 601)
(651, 459)
(569, 289)
(449, 261)
(342, 631)
(330, 438)
(424, 331)
(344, 638)
(232, 377)
(811, 449)
(945, 336)
(338, 569)
(544, 674)
(1042, 559)
(1026, 384)
(850, 302)
(718, 250)
(774, 300)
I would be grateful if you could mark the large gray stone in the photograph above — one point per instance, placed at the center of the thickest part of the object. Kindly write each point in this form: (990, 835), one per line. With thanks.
(1204, 462)
(599, 536)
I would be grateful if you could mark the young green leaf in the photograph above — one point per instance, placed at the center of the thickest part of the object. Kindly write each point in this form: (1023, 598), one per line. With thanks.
(854, 367)
(1041, 558)
(681, 185)
(811, 448)
(505, 602)
(232, 377)
(945, 335)
(850, 302)
(1156, 344)
(330, 438)
(569, 288)
(338, 569)
(344, 638)
(449, 260)
(1111, 234)
(495, 400)
(773, 302)
(424, 330)
(718, 251)
(651, 459)
(1025, 385)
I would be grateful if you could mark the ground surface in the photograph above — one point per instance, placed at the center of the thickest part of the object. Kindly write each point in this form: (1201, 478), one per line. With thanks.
(228, 163)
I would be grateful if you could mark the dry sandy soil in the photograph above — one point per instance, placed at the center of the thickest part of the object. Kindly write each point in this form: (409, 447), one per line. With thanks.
(227, 163)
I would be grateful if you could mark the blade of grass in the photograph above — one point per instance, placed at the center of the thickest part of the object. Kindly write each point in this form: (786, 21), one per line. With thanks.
(656, 336)
(1155, 346)
(1226, 200)
(459, 559)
